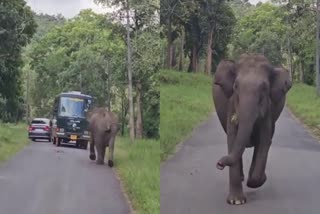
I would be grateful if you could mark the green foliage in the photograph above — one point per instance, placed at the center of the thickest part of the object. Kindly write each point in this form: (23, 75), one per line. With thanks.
(302, 21)
(195, 20)
(146, 65)
(261, 31)
(75, 56)
(146, 49)
(45, 23)
(241, 8)
(138, 165)
(283, 32)
(185, 101)
(17, 26)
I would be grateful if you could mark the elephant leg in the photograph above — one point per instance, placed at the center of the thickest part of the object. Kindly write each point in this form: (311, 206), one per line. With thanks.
(241, 170)
(92, 155)
(257, 175)
(100, 152)
(111, 150)
(103, 152)
(236, 196)
(253, 162)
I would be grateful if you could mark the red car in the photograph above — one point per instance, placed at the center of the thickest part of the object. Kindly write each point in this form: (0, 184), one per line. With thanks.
(40, 128)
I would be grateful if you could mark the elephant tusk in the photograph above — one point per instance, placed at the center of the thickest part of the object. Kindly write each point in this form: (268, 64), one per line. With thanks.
(234, 119)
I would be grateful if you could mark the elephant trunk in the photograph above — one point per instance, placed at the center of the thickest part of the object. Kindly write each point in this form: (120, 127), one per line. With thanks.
(246, 115)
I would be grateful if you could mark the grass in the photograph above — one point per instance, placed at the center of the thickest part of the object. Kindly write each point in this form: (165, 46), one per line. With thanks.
(12, 139)
(305, 104)
(185, 100)
(138, 165)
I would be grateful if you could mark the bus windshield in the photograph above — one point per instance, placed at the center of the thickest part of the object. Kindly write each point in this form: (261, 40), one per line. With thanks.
(72, 107)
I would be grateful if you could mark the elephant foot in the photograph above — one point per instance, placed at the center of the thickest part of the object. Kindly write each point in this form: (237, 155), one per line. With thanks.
(110, 163)
(255, 182)
(92, 157)
(225, 161)
(100, 162)
(236, 199)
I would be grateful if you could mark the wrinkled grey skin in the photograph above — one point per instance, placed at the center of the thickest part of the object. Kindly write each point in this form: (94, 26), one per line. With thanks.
(103, 127)
(249, 96)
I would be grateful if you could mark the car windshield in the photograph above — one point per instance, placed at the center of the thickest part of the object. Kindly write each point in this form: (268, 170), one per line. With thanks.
(71, 107)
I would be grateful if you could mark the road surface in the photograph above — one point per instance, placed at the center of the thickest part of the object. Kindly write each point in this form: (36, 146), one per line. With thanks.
(191, 184)
(44, 179)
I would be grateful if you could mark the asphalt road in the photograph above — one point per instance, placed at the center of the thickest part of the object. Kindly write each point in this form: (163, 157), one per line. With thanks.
(44, 179)
(190, 182)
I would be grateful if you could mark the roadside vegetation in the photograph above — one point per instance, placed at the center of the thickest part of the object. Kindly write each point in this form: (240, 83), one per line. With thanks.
(138, 166)
(12, 139)
(185, 101)
(305, 104)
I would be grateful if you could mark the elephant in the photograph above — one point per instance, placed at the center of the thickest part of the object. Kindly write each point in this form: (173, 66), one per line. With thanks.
(249, 95)
(103, 128)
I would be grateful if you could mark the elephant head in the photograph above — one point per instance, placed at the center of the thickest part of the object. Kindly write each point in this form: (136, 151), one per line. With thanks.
(254, 86)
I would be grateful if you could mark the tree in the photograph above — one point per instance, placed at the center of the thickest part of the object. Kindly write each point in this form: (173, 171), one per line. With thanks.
(74, 56)
(17, 28)
(218, 22)
(261, 31)
(143, 18)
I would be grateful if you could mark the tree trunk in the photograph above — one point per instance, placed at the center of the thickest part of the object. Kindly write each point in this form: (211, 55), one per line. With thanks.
(190, 63)
(174, 60)
(301, 73)
(208, 66)
(131, 113)
(194, 58)
(139, 127)
(122, 115)
(181, 53)
(169, 48)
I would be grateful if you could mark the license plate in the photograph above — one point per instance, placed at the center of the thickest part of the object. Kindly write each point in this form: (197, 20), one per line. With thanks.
(73, 137)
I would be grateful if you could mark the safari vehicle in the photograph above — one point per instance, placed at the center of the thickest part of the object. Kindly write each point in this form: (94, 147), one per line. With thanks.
(69, 123)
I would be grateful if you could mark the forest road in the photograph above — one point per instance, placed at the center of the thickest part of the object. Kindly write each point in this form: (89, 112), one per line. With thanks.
(190, 182)
(46, 179)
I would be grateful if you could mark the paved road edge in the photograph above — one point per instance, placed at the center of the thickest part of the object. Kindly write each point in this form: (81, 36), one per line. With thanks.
(123, 191)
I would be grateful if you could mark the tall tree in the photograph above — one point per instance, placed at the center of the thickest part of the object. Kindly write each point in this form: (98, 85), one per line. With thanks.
(143, 18)
(17, 27)
(217, 21)
(125, 4)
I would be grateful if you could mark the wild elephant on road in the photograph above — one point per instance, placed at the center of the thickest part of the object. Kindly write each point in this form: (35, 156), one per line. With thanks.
(249, 96)
(103, 127)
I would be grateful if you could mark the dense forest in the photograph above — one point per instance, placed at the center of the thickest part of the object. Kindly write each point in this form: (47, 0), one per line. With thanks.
(87, 53)
(199, 33)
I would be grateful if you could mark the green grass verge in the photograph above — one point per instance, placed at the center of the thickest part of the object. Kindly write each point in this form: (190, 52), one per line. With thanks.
(305, 104)
(185, 100)
(12, 139)
(138, 165)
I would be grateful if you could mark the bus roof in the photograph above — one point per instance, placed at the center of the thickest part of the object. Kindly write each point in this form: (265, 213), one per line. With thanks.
(75, 94)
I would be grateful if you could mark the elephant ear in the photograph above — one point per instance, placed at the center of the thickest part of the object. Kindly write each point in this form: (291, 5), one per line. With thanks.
(225, 76)
(280, 84)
